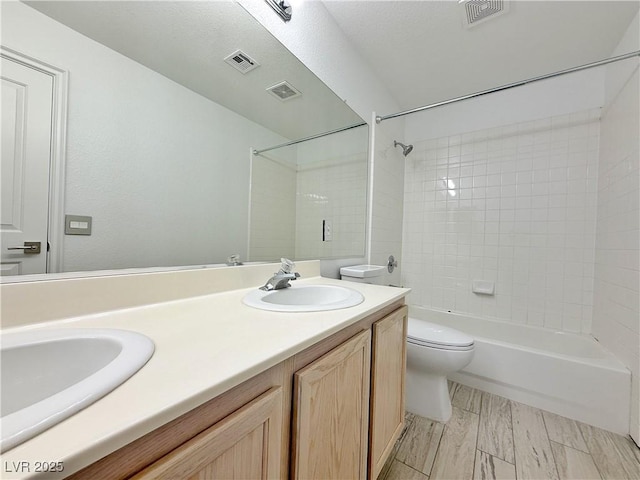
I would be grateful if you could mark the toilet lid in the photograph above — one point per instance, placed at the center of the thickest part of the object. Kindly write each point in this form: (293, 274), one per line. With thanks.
(439, 336)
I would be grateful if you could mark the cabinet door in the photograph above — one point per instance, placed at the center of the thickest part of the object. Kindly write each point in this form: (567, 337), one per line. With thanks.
(388, 367)
(245, 445)
(331, 413)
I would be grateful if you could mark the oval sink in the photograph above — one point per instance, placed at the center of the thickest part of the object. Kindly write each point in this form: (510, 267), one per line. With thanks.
(304, 298)
(47, 376)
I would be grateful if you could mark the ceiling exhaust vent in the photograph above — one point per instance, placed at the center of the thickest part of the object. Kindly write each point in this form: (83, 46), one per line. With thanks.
(241, 61)
(479, 11)
(284, 91)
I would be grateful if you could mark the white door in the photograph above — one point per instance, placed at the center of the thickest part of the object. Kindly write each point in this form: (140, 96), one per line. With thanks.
(27, 101)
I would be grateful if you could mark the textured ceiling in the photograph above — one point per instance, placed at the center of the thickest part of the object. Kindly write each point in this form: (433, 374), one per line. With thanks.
(419, 49)
(422, 52)
(188, 41)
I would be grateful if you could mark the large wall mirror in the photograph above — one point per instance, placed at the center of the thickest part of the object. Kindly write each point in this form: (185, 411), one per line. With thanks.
(309, 200)
(161, 133)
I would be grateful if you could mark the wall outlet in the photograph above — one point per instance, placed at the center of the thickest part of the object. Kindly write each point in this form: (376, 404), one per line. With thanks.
(327, 230)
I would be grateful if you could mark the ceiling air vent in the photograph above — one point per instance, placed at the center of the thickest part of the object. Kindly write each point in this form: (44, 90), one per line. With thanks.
(241, 61)
(284, 91)
(478, 11)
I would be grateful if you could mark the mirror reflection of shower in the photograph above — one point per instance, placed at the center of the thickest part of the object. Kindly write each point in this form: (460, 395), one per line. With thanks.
(406, 149)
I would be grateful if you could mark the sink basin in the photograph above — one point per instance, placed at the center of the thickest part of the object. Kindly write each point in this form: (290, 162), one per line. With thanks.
(47, 376)
(304, 298)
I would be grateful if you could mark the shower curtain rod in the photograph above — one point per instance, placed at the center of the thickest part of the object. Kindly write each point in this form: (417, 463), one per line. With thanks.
(511, 85)
(319, 135)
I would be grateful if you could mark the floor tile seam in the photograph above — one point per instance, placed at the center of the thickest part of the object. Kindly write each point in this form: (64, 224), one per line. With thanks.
(561, 442)
(486, 422)
(516, 450)
(407, 437)
(435, 454)
(583, 439)
(483, 450)
(555, 463)
(493, 456)
(412, 468)
(614, 446)
(444, 430)
(513, 435)
(469, 402)
(402, 436)
(575, 450)
(475, 453)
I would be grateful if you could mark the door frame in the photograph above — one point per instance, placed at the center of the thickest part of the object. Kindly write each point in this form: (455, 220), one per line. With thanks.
(58, 154)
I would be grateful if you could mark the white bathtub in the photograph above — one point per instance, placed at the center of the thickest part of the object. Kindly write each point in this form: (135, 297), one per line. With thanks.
(564, 373)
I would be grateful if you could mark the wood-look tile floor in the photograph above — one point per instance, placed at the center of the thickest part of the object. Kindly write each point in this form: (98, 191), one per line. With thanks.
(490, 437)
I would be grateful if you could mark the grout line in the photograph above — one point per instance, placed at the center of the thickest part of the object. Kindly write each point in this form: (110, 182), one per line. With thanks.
(415, 470)
(495, 456)
(435, 455)
(480, 417)
(513, 438)
(475, 458)
(555, 463)
(575, 450)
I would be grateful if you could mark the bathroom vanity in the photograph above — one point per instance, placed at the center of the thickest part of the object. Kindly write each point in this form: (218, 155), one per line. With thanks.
(262, 394)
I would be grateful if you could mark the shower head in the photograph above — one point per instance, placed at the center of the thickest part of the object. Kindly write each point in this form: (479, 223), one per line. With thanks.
(406, 149)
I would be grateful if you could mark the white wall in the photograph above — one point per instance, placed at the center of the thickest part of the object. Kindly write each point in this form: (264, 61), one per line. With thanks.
(129, 131)
(547, 98)
(313, 36)
(616, 315)
(386, 205)
(273, 209)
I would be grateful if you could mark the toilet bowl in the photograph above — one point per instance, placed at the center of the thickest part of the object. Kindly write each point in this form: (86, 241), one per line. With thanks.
(433, 352)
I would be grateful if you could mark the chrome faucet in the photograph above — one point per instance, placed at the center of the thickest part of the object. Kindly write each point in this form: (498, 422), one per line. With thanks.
(234, 260)
(282, 277)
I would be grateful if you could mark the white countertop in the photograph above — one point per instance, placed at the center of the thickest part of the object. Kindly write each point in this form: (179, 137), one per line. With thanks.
(203, 347)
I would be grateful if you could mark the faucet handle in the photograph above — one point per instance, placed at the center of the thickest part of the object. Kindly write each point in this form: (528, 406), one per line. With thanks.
(234, 259)
(287, 265)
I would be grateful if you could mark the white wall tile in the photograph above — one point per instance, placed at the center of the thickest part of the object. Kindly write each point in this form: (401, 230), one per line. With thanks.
(497, 215)
(333, 191)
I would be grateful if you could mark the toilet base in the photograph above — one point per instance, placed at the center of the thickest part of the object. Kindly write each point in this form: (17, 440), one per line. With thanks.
(428, 395)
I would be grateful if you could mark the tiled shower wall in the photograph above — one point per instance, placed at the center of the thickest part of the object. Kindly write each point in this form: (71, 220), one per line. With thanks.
(334, 191)
(512, 205)
(288, 205)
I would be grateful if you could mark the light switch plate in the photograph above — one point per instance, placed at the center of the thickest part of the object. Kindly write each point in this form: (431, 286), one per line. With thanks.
(77, 225)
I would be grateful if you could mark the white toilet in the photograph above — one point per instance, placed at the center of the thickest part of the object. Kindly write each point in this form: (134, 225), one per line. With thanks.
(374, 274)
(433, 352)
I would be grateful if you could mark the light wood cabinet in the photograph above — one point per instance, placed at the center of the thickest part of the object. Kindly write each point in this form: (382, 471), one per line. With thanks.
(245, 445)
(331, 411)
(387, 387)
(331, 406)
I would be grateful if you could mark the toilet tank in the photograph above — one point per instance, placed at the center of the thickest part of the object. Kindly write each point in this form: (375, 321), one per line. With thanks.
(374, 274)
